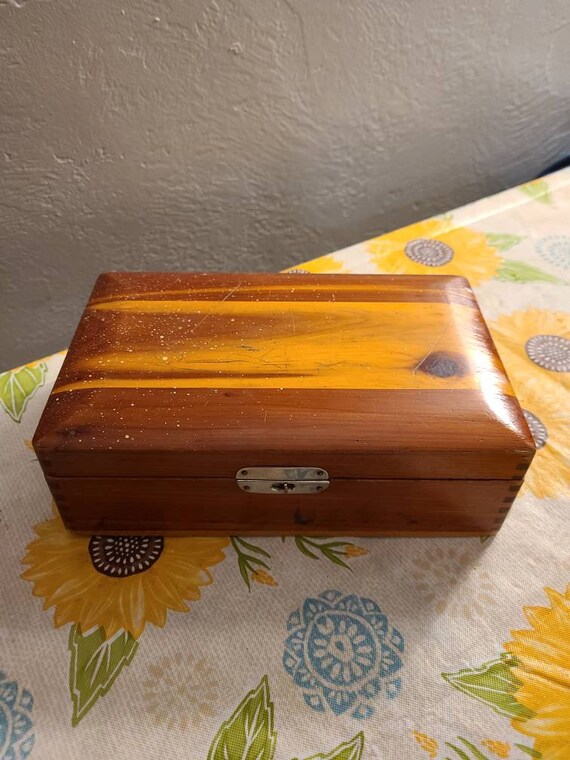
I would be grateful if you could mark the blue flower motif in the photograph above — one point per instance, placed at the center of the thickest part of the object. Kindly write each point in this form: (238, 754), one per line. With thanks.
(555, 249)
(342, 653)
(16, 734)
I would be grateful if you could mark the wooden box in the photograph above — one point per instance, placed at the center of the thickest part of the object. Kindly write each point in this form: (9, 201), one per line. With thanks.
(283, 404)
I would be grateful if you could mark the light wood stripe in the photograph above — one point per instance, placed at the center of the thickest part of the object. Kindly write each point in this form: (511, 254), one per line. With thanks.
(288, 344)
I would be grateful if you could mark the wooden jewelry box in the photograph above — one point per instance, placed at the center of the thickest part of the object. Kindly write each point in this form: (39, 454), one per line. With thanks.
(283, 404)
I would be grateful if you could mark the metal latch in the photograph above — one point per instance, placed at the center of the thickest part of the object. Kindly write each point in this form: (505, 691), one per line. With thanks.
(282, 480)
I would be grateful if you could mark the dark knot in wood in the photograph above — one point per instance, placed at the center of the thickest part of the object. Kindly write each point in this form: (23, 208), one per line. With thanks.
(300, 519)
(444, 364)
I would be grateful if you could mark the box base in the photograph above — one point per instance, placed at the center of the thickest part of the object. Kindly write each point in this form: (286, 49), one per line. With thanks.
(210, 507)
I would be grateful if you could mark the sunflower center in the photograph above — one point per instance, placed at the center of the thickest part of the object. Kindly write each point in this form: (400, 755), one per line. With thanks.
(555, 249)
(549, 352)
(430, 253)
(121, 556)
(537, 428)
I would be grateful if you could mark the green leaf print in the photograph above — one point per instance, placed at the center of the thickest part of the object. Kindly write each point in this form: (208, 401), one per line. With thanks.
(493, 684)
(95, 664)
(351, 750)
(517, 271)
(248, 734)
(469, 753)
(334, 551)
(18, 386)
(249, 564)
(537, 190)
(529, 750)
(503, 242)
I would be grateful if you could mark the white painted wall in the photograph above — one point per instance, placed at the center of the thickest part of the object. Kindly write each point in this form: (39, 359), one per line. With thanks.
(252, 134)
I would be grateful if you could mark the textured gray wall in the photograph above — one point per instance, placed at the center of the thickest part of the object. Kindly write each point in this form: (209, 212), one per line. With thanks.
(252, 134)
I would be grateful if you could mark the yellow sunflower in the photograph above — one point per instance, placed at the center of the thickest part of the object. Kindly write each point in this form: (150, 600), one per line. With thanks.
(435, 246)
(117, 582)
(535, 341)
(546, 411)
(323, 265)
(543, 654)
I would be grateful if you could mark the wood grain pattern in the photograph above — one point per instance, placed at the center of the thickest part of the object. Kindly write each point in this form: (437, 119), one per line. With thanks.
(210, 433)
(211, 506)
(280, 332)
(159, 286)
(194, 376)
(282, 344)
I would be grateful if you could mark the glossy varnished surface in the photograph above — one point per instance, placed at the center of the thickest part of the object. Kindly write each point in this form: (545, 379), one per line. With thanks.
(283, 332)
(194, 376)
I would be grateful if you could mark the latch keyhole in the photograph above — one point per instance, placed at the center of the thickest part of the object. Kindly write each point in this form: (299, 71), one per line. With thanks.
(283, 487)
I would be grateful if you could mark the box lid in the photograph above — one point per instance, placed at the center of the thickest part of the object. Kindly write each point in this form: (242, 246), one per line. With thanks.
(199, 375)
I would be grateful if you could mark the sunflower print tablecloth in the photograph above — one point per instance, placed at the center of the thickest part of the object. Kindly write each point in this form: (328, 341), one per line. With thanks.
(254, 649)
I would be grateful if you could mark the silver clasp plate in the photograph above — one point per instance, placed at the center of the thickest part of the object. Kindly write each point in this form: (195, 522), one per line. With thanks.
(282, 480)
